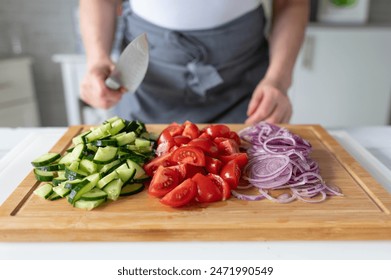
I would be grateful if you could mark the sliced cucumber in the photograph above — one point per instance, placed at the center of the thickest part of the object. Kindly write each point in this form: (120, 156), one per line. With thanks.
(104, 162)
(44, 190)
(139, 170)
(79, 190)
(44, 176)
(113, 189)
(89, 204)
(105, 154)
(61, 190)
(45, 159)
(94, 194)
(131, 189)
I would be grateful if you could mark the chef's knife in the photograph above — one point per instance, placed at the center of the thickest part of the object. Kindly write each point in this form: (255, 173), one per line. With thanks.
(131, 66)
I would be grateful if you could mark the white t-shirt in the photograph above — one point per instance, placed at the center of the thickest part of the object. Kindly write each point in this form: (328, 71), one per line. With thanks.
(192, 14)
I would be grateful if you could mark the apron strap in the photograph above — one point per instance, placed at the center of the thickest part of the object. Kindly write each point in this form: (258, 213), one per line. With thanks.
(201, 76)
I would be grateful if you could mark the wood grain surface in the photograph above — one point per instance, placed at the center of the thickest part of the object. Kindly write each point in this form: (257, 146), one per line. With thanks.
(363, 213)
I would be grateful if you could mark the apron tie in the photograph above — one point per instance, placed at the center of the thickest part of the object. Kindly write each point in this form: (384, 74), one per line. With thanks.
(201, 76)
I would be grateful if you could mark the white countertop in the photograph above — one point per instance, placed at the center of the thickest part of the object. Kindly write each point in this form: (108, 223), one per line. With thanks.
(371, 146)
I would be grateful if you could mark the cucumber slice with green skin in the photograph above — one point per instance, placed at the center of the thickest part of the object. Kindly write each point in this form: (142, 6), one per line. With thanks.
(78, 151)
(44, 176)
(80, 138)
(99, 132)
(58, 180)
(44, 190)
(88, 204)
(131, 189)
(113, 189)
(52, 167)
(126, 138)
(126, 175)
(75, 183)
(105, 155)
(94, 194)
(74, 174)
(61, 190)
(107, 179)
(105, 143)
(79, 190)
(88, 166)
(139, 170)
(54, 196)
(110, 167)
(117, 126)
(45, 159)
(67, 159)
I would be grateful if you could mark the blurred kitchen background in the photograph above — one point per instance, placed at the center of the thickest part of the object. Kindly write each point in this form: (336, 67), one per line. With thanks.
(342, 76)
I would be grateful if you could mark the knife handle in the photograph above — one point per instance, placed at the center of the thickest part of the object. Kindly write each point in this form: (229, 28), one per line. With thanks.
(112, 83)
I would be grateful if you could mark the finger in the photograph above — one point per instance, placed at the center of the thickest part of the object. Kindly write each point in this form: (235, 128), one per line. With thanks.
(264, 109)
(256, 99)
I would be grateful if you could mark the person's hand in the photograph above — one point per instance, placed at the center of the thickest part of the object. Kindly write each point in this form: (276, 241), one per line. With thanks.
(93, 90)
(269, 103)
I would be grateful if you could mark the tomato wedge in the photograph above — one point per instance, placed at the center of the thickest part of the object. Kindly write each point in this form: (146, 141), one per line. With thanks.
(240, 158)
(188, 170)
(186, 154)
(213, 165)
(163, 181)
(181, 195)
(174, 129)
(231, 174)
(228, 147)
(217, 130)
(221, 184)
(207, 191)
(191, 130)
(163, 160)
(209, 147)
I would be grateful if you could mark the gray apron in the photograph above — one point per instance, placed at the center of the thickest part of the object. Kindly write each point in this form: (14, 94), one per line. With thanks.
(204, 76)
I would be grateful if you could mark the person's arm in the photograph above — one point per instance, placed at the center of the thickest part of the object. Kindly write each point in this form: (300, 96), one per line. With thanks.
(97, 24)
(270, 101)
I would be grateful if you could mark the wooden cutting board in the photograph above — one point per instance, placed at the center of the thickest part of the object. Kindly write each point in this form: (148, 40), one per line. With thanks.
(363, 213)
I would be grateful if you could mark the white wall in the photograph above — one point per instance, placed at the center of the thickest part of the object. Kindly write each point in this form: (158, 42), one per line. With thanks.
(45, 28)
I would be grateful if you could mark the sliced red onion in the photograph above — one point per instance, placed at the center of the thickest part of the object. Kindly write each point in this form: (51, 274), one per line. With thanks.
(279, 159)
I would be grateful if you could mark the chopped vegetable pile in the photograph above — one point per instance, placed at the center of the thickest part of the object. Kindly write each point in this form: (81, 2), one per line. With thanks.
(103, 163)
(195, 165)
(279, 160)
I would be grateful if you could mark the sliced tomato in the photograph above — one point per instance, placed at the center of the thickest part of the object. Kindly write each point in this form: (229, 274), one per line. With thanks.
(240, 158)
(231, 174)
(208, 146)
(165, 136)
(221, 184)
(207, 191)
(163, 181)
(181, 195)
(180, 140)
(190, 130)
(217, 130)
(186, 154)
(188, 170)
(173, 129)
(204, 135)
(234, 136)
(213, 165)
(228, 147)
(152, 166)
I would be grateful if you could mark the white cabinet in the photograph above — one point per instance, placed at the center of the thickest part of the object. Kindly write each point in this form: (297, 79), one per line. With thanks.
(18, 106)
(343, 77)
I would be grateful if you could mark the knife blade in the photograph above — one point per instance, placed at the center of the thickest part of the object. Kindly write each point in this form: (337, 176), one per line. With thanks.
(131, 65)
